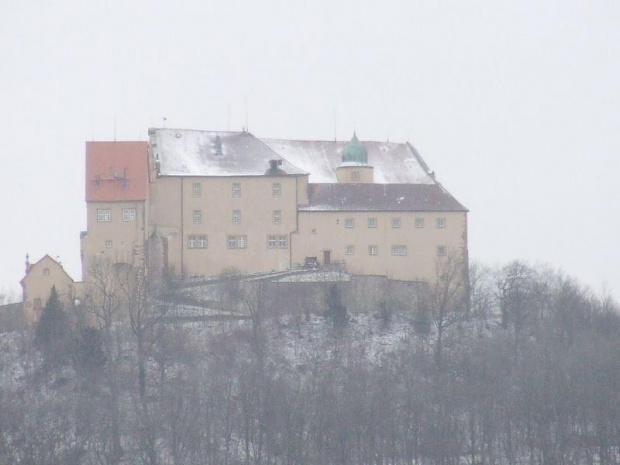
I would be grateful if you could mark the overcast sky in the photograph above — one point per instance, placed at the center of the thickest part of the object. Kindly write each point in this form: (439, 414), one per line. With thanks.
(514, 104)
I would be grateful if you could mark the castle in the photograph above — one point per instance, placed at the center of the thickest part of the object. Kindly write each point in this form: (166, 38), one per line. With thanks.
(193, 203)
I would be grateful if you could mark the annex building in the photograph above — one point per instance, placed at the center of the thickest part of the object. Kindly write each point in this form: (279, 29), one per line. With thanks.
(193, 203)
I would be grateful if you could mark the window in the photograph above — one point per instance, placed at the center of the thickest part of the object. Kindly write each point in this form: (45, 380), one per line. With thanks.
(419, 222)
(396, 222)
(197, 216)
(236, 216)
(129, 214)
(276, 189)
(372, 222)
(196, 242)
(108, 244)
(373, 250)
(441, 222)
(46, 272)
(350, 250)
(399, 250)
(282, 242)
(271, 241)
(197, 189)
(104, 216)
(237, 242)
(236, 189)
(355, 176)
(277, 216)
(349, 223)
(441, 250)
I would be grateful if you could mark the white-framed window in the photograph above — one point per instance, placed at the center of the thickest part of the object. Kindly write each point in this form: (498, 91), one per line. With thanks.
(236, 217)
(237, 242)
(271, 242)
(197, 242)
(197, 189)
(373, 250)
(276, 189)
(396, 222)
(350, 250)
(108, 244)
(349, 223)
(355, 176)
(372, 222)
(441, 250)
(282, 242)
(129, 214)
(277, 216)
(104, 215)
(197, 216)
(46, 272)
(419, 222)
(440, 222)
(236, 189)
(399, 250)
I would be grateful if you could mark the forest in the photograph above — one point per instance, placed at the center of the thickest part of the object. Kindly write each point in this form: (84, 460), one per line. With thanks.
(518, 365)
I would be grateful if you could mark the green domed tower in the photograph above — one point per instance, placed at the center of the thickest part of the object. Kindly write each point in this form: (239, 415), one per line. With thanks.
(355, 152)
(354, 167)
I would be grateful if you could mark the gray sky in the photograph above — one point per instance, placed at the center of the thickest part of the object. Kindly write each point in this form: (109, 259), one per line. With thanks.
(514, 104)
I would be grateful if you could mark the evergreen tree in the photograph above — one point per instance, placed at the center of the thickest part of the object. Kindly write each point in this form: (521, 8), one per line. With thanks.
(53, 333)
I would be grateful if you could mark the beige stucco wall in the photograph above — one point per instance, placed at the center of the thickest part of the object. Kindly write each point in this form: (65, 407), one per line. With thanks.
(345, 174)
(127, 236)
(321, 231)
(38, 283)
(173, 202)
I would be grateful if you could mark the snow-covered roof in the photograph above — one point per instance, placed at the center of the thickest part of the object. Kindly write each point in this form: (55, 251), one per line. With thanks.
(186, 152)
(380, 197)
(394, 163)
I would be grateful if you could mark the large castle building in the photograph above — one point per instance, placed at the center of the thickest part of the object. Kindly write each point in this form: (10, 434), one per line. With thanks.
(193, 203)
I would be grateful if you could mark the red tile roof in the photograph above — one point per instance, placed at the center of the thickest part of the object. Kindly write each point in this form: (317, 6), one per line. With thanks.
(116, 171)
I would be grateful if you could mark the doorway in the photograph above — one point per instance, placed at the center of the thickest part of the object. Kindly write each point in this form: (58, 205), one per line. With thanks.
(327, 257)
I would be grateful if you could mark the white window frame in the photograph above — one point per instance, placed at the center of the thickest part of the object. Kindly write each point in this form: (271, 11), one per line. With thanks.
(349, 223)
(197, 189)
(396, 223)
(197, 216)
(282, 242)
(129, 214)
(231, 242)
(373, 250)
(191, 242)
(419, 223)
(355, 176)
(201, 242)
(441, 251)
(271, 242)
(349, 250)
(109, 244)
(277, 216)
(236, 189)
(440, 223)
(399, 250)
(104, 215)
(276, 189)
(236, 216)
(242, 242)
(372, 223)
